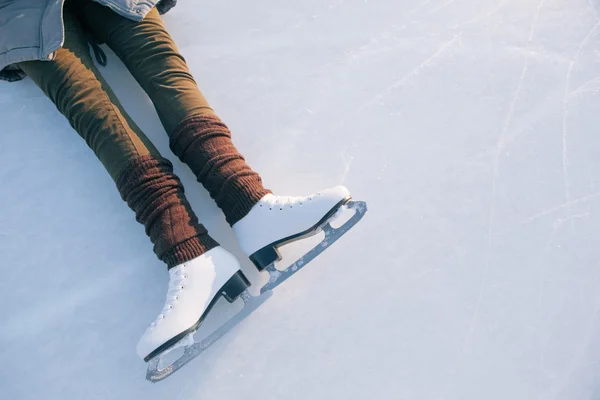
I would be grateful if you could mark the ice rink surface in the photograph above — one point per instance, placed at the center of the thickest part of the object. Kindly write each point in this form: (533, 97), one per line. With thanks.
(471, 128)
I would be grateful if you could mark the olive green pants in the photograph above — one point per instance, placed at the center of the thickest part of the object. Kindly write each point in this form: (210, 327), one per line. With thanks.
(74, 84)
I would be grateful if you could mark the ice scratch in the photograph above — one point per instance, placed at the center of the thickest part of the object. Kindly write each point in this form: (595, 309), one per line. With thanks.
(489, 243)
(590, 86)
(499, 148)
(406, 78)
(565, 131)
(482, 16)
(441, 7)
(510, 116)
(535, 19)
(347, 165)
(366, 49)
(541, 284)
(583, 339)
(595, 10)
(398, 83)
(560, 207)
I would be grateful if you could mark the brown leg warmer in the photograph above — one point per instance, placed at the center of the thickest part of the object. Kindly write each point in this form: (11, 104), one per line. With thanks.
(150, 188)
(204, 143)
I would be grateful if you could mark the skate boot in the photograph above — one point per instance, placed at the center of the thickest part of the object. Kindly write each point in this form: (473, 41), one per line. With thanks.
(271, 223)
(194, 287)
(277, 220)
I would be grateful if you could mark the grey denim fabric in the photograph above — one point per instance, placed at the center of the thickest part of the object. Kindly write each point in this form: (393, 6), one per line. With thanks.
(34, 29)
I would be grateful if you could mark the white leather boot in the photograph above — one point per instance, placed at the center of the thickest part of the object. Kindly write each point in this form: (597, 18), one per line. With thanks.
(194, 287)
(277, 220)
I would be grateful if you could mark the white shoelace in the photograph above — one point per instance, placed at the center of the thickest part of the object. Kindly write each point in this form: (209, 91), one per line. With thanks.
(175, 287)
(281, 202)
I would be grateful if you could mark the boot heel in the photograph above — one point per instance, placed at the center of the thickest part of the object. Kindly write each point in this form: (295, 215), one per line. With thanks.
(235, 286)
(265, 256)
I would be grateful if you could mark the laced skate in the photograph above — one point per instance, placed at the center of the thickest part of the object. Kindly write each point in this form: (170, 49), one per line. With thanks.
(272, 223)
(194, 288)
(279, 220)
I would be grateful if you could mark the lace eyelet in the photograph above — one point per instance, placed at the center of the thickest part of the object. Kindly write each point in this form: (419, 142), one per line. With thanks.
(185, 276)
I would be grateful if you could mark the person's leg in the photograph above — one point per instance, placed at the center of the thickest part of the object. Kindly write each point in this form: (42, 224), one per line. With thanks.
(261, 221)
(144, 178)
(197, 135)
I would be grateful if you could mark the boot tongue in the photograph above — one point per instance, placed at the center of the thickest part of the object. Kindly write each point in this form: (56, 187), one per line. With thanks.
(268, 199)
(175, 270)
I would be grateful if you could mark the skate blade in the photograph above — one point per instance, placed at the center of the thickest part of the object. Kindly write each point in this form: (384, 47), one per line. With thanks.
(332, 234)
(192, 350)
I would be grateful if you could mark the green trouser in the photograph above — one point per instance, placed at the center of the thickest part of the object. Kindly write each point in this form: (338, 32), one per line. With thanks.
(144, 178)
(91, 106)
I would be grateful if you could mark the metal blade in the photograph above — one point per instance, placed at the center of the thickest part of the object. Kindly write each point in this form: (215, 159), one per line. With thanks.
(277, 277)
(251, 303)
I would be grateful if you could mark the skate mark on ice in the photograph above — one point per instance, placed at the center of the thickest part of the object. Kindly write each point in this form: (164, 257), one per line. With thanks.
(365, 49)
(542, 272)
(414, 72)
(422, 274)
(317, 14)
(595, 10)
(555, 228)
(542, 278)
(482, 16)
(441, 7)
(584, 89)
(366, 52)
(46, 316)
(582, 350)
(347, 165)
(591, 86)
(396, 84)
(491, 217)
(500, 145)
(535, 19)
(558, 208)
(510, 116)
(338, 4)
(565, 131)
(360, 52)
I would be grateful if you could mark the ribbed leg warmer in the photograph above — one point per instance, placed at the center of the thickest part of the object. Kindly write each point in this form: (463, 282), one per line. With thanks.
(156, 195)
(204, 143)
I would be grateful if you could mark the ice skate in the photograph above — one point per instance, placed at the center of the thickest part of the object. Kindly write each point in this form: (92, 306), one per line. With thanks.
(278, 220)
(273, 222)
(194, 288)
